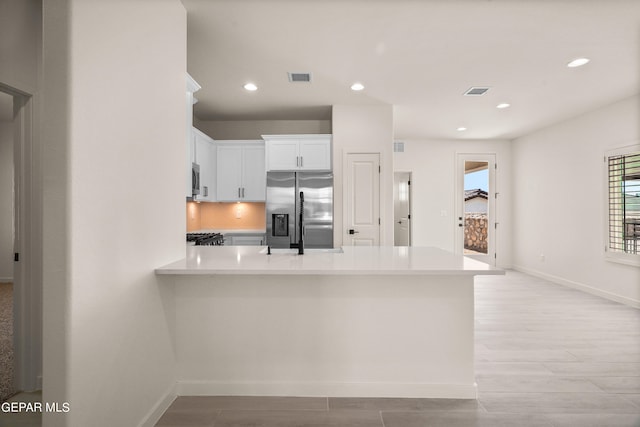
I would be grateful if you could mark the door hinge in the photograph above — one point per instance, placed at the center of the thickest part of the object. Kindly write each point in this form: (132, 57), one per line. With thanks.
(408, 182)
(16, 257)
(379, 169)
(496, 195)
(409, 216)
(495, 255)
(495, 166)
(495, 226)
(379, 221)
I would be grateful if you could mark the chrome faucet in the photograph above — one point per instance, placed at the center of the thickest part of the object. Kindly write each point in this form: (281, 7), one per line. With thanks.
(300, 238)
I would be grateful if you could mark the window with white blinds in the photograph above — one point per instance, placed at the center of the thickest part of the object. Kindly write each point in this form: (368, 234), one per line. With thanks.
(623, 176)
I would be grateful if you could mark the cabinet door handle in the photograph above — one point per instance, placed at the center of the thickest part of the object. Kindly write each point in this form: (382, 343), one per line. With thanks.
(297, 161)
(238, 192)
(243, 192)
(301, 161)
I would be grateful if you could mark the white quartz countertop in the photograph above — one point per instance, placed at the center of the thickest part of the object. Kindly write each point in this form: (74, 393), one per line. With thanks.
(353, 260)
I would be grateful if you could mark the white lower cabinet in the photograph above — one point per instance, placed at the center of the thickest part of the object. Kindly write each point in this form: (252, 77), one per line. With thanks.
(241, 175)
(245, 239)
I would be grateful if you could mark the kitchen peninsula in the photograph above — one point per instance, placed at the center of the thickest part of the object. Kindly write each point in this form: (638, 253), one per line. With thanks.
(360, 321)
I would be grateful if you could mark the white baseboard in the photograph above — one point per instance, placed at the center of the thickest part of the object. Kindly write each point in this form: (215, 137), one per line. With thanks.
(309, 389)
(579, 286)
(159, 408)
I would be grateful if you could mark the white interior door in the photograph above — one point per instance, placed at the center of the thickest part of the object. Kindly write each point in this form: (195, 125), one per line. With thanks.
(476, 206)
(401, 209)
(362, 199)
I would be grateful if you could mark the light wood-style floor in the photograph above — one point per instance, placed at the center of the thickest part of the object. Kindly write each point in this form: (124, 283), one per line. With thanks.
(546, 355)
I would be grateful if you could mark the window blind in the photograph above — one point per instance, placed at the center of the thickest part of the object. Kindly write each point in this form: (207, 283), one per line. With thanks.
(624, 202)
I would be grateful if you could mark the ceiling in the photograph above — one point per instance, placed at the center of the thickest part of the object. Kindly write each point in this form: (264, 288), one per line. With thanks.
(419, 56)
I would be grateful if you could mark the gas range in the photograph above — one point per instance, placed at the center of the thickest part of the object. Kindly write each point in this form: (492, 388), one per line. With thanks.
(205, 239)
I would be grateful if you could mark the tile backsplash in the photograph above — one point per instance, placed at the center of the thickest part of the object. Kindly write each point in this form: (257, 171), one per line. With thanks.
(225, 216)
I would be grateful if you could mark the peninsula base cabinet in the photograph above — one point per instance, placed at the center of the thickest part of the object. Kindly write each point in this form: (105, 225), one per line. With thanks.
(298, 152)
(241, 175)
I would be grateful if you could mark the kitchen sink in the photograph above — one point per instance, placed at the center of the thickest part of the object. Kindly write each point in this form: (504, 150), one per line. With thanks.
(279, 251)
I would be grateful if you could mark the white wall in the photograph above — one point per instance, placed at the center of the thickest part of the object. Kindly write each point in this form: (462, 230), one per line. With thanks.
(114, 205)
(556, 168)
(363, 129)
(19, 40)
(432, 163)
(6, 201)
(253, 129)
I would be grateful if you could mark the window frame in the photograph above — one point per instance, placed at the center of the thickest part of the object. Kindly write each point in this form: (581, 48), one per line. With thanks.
(615, 256)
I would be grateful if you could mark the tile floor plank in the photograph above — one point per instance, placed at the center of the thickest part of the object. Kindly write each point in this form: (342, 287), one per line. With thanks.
(280, 418)
(462, 419)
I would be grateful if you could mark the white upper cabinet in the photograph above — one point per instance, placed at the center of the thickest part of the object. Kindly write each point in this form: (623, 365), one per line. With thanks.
(205, 156)
(282, 155)
(298, 152)
(241, 173)
(192, 87)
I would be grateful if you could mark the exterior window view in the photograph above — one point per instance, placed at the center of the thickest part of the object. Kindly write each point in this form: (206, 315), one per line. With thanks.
(476, 207)
(624, 202)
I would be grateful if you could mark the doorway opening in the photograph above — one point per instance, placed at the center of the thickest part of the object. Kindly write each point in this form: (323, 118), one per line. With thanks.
(21, 236)
(402, 209)
(476, 207)
(7, 244)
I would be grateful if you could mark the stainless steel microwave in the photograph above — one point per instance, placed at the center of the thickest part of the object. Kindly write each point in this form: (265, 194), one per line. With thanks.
(195, 179)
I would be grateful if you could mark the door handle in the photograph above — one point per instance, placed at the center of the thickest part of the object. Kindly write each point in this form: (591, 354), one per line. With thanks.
(243, 192)
(301, 161)
(239, 192)
(352, 231)
(399, 222)
(297, 161)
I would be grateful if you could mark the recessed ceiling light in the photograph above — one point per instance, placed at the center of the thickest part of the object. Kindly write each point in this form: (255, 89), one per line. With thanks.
(503, 105)
(251, 87)
(357, 86)
(579, 62)
(461, 129)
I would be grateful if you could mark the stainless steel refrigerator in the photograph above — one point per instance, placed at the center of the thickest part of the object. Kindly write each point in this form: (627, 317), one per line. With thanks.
(283, 209)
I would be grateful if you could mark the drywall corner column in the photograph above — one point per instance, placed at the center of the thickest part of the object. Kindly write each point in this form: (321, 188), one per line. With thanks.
(363, 129)
(114, 206)
(56, 217)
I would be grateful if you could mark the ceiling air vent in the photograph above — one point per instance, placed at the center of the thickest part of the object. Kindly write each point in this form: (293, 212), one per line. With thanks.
(476, 91)
(300, 77)
(398, 147)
